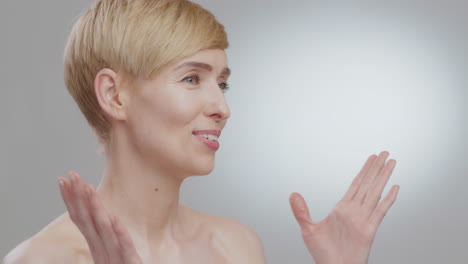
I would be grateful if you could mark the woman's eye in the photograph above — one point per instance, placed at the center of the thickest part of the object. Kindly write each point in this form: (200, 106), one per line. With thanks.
(193, 79)
(224, 86)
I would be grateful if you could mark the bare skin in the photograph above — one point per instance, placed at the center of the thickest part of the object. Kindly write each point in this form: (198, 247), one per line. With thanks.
(217, 240)
(134, 216)
(346, 235)
(152, 151)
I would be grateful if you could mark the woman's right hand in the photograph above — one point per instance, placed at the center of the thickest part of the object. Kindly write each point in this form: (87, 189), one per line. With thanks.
(108, 240)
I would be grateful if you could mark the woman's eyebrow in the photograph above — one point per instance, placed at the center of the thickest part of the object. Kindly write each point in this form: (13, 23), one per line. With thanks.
(226, 71)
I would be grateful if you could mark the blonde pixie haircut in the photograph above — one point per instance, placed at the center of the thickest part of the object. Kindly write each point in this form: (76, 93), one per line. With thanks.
(135, 38)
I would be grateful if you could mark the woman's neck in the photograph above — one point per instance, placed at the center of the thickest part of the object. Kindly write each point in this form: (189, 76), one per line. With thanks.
(143, 196)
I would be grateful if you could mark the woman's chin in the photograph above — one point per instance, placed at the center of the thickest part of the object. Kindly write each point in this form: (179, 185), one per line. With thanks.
(202, 168)
(204, 171)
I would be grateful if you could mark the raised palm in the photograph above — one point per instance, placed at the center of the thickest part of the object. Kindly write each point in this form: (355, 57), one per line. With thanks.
(347, 233)
(108, 240)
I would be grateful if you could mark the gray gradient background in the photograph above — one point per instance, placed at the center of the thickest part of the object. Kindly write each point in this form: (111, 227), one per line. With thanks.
(317, 87)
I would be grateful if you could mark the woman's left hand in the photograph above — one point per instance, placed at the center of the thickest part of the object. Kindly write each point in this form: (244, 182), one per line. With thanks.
(347, 233)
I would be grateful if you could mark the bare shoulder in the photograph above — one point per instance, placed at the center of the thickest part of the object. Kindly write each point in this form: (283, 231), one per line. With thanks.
(59, 242)
(240, 242)
(230, 238)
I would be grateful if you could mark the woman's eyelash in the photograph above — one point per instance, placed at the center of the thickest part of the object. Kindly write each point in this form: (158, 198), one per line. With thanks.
(192, 77)
(224, 86)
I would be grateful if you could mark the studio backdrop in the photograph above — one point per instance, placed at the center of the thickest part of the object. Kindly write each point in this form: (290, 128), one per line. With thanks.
(317, 86)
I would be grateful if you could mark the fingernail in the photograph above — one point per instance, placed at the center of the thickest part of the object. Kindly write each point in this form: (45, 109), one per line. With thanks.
(60, 181)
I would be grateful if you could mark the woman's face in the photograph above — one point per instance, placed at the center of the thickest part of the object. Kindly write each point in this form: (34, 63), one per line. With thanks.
(163, 114)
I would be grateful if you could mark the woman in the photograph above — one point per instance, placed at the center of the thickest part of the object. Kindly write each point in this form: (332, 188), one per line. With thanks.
(149, 76)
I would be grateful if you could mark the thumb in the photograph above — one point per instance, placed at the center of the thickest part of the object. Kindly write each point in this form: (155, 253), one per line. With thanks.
(300, 210)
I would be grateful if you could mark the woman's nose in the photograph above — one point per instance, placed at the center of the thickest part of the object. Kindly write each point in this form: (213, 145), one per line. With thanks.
(218, 105)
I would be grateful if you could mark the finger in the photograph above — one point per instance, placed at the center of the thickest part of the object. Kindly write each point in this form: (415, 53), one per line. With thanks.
(71, 199)
(357, 180)
(67, 197)
(375, 193)
(381, 210)
(80, 215)
(127, 249)
(65, 190)
(83, 219)
(369, 178)
(300, 211)
(103, 225)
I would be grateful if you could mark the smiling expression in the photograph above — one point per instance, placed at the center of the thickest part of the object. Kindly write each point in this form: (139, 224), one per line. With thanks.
(185, 99)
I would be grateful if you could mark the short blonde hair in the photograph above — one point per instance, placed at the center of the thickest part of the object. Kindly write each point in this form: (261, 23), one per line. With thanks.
(135, 38)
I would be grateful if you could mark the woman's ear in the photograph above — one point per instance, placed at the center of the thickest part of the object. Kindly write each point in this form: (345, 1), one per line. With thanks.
(109, 94)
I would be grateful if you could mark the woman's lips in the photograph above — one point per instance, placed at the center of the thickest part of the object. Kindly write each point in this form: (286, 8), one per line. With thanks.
(214, 145)
(212, 132)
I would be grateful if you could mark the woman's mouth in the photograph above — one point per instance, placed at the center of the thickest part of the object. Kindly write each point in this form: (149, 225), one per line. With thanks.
(212, 144)
(209, 139)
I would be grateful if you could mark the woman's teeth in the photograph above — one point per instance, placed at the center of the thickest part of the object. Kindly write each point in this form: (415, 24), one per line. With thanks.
(210, 137)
